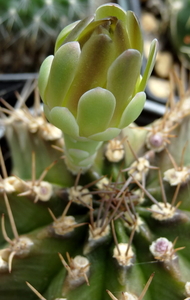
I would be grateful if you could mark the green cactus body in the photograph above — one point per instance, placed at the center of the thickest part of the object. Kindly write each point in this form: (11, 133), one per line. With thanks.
(119, 230)
(180, 29)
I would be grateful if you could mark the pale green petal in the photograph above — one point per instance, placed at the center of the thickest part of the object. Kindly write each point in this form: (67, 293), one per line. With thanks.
(62, 118)
(133, 110)
(63, 34)
(44, 75)
(121, 80)
(62, 72)
(120, 38)
(134, 32)
(106, 135)
(110, 9)
(77, 30)
(78, 154)
(149, 66)
(95, 111)
(96, 57)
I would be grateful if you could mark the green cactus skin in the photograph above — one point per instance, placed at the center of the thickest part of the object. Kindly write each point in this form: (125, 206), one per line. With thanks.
(180, 29)
(120, 209)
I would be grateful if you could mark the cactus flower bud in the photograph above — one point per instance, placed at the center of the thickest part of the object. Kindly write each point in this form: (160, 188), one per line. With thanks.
(92, 87)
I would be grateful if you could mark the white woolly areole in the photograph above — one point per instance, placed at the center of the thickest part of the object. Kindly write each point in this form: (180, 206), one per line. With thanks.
(64, 224)
(79, 271)
(4, 255)
(22, 246)
(162, 249)
(137, 224)
(44, 191)
(102, 183)
(7, 184)
(114, 151)
(122, 258)
(128, 296)
(78, 193)
(139, 168)
(97, 233)
(174, 177)
(164, 212)
(50, 133)
(187, 288)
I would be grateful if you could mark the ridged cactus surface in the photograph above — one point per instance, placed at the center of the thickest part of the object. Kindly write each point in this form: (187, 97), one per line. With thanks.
(112, 224)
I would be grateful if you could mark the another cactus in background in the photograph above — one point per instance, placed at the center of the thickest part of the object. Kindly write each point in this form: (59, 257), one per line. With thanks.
(180, 29)
(102, 234)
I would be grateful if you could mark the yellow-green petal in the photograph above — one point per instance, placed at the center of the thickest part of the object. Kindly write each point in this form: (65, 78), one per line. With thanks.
(62, 73)
(149, 66)
(133, 110)
(110, 10)
(95, 111)
(62, 118)
(63, 34)
(134, 32)
(106, 135)
(121, 80)
(44, 75)
(95, 59)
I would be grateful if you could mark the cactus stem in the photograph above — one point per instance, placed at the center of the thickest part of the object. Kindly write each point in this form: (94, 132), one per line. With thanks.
(35, 291)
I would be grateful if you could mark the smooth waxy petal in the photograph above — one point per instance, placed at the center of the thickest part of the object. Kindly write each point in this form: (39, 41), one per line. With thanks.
(134, 32)
(78, 154)
(74, 34)
(106, 135)
(62, 73)
(120, 38)
(99, 25)
(95, 111)
(62, 118)
(95, 59)
(110, 9)
(149, 66)
(44, 75)
(133, 110)
(121, 80)
(63, 34)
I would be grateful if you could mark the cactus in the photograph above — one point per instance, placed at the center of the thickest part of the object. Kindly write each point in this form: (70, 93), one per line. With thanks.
(115, 227)
(179, 29)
